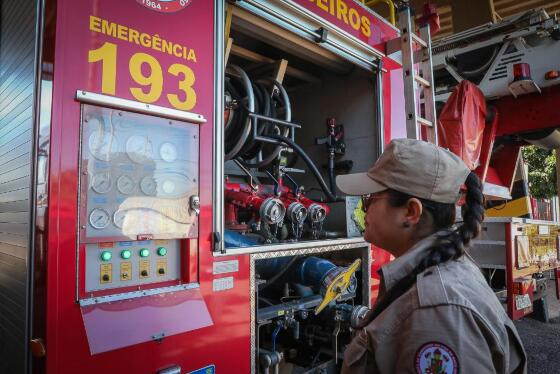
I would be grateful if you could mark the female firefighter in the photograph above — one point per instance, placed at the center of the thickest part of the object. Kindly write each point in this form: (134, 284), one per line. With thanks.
(435, 312)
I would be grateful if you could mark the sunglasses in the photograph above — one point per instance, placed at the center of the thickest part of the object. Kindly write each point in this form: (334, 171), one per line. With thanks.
(368, 199)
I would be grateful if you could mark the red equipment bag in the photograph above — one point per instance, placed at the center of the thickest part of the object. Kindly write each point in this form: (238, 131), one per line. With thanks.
(461, 123)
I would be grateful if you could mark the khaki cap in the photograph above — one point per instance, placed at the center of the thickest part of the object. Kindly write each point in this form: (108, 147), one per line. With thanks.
(414, 167)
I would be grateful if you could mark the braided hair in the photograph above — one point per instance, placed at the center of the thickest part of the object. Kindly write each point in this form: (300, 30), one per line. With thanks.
(447, 247)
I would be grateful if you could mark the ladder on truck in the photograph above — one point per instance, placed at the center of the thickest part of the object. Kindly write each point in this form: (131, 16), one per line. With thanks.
(417, 49)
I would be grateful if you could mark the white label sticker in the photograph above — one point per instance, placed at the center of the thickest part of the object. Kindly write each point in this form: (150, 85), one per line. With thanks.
(222, 284)
(544, 230)
(222, 267)
(522, 301)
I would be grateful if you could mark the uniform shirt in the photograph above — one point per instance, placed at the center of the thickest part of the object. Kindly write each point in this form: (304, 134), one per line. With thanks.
(450, 321)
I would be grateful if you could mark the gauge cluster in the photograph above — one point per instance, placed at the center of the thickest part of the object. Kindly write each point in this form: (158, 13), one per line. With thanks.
(138, 175)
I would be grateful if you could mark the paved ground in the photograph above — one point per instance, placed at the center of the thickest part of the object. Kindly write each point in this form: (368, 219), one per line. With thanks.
(542, 340)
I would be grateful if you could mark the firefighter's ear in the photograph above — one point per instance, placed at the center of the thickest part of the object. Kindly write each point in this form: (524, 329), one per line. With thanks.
(413, 212)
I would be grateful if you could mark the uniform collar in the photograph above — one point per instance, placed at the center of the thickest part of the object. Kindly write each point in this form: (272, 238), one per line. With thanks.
(402, 266)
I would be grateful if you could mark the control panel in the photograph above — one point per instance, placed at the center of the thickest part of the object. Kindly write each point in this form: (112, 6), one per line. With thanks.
(138, 196)
(121, 264)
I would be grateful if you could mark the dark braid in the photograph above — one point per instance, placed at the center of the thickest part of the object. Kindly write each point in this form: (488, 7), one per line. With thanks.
(449, 246)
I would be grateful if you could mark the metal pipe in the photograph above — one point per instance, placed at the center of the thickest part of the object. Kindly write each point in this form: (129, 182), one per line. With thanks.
(380, 110)
(315, 35)
(218, 129)
(392, 17)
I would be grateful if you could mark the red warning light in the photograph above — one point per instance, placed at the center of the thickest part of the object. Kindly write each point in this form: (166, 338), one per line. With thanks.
(521, 71)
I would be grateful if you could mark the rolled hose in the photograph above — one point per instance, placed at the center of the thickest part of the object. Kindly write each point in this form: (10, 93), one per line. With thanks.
(251, 107)
(287, 117)
(301, 153)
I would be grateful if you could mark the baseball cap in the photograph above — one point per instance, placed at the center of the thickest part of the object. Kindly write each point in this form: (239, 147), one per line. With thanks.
(414, 167)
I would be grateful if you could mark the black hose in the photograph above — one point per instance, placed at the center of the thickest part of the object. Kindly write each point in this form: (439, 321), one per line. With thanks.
(283, 98)
(279, 274)
(331, 196)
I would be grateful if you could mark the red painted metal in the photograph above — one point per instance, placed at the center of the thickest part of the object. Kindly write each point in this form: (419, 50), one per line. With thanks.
(510, 263)
(430, 16)
(66, 341)
(529, 112)
(226, 343)
(502, 166)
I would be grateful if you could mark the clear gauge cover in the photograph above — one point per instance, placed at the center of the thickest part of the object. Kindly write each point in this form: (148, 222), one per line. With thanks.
(101, 182)
(139, 173)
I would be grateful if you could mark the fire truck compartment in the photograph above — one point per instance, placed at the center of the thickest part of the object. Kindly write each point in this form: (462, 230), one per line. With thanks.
(310, 115)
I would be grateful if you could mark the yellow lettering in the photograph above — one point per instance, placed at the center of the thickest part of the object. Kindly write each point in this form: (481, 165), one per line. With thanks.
(366, 29)
(191, 56)
(341, 10)
(177, 50)
(354, 19)
(107, 54)
(145, 40)
(156, 42)
(321, 4)
(94, 23)
(167, 47)
(133, 36)
(185, 85)
(122, 32)
(154, 80)
(108, 28)
(331, 7)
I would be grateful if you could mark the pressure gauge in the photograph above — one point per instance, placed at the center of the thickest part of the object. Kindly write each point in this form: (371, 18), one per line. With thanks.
(148, 186)
(168, 187)
(125, 185)
(168, 152)
(102, 144)
(139, 148)
(99, 219)
(101, 182)
(118, 218)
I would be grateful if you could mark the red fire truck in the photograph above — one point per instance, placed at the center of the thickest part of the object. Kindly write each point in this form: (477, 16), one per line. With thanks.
(167, 199)
(518, 85)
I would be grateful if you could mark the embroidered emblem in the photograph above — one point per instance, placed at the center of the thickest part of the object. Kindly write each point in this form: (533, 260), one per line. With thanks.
(436, 358)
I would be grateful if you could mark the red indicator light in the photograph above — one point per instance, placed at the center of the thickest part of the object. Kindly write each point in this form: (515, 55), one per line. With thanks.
(521, 71)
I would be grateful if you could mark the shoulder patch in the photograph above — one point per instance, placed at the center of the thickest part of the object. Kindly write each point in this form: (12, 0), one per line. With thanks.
(436, 358)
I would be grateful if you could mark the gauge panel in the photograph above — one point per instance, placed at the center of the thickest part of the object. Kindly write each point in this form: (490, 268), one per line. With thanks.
(138, 174)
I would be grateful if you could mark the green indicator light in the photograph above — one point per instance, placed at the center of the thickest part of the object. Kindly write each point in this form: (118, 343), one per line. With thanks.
(106, 255)
(144, 252)
(162, 251)
(126, 254)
